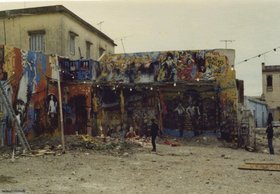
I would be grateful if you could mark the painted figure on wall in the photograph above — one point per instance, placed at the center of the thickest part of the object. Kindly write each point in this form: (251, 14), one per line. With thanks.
(167, 71)
(199, 58)
(180, 110)
(52, 105)
(131, 72)
(193, 110)
(27, 84)
(106, 73)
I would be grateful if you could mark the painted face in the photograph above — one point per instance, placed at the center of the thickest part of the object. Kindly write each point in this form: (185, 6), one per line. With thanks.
(20, 106)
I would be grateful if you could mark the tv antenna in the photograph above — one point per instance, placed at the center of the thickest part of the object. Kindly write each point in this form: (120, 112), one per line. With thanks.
(122, 41)
(99, 24)
(226, 42)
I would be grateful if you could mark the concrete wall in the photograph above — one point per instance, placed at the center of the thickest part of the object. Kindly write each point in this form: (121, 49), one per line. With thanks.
(272, 94)
(14, 32)
(83, 36)
(17, 27)
(259, 111)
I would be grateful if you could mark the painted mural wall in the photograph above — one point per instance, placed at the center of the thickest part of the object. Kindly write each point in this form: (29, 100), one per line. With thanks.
(30, 81)
(25, 83)
(124, 88)
(180, 67)
(168, 66)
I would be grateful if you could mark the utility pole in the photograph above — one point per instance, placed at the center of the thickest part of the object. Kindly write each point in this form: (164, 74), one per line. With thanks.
(226, 42)
(60, 106)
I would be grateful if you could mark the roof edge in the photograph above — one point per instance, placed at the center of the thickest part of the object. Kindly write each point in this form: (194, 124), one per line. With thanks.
(52, 9)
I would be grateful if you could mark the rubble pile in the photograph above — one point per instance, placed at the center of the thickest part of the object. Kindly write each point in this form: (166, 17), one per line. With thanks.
(49, 145)
(113, 146)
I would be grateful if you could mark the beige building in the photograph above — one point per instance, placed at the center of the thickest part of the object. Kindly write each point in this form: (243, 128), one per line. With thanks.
(53, 30)
(271, 88)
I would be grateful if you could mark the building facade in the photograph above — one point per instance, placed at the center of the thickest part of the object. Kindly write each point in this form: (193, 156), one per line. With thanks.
(271, 88)
(258, 108)
(53, 30)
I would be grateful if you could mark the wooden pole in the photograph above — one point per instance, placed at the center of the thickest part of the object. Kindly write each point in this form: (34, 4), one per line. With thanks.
(122, 106)
(60, 106)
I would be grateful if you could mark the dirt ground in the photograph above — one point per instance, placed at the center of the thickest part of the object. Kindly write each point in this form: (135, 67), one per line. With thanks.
(193, 166)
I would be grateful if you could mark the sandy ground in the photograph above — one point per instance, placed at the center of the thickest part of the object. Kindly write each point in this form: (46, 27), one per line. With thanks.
(197, 166)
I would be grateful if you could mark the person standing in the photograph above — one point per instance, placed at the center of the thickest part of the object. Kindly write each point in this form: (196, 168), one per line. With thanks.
(269, 118)
(154, 133)
(269, 132)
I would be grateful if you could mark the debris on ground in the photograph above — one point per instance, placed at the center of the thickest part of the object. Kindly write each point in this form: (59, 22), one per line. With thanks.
(119, 146)
(48, 145)
(260, 166)
(108, 145)
(171, 143)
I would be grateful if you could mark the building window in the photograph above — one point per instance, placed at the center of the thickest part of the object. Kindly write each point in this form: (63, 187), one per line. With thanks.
(72, 36)
(88, 49)
(269, 83)
(37, 40)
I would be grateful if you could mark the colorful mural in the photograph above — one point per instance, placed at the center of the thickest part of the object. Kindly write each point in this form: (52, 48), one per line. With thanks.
(189, 90)
(168, 66)
(162, 68)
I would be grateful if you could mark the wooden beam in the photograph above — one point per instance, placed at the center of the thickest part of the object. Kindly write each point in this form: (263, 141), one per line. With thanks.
(260, 166)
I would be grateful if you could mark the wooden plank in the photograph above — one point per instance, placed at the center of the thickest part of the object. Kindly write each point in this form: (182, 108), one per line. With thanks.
(260, 166)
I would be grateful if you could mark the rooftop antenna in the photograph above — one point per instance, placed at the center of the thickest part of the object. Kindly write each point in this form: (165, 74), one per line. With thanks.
(99, 24)
(122, 41)
(226, 42)
(122, 45)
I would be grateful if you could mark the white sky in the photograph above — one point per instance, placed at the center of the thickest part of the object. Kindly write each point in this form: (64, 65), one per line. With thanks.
(160, 25)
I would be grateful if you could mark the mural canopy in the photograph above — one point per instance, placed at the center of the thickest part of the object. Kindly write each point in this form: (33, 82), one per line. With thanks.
(171, 66)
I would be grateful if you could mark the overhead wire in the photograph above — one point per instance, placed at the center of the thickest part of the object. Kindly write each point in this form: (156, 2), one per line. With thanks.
(259, 55)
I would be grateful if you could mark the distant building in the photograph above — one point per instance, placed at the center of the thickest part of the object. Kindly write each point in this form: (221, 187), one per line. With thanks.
(258, 108)
(53, 30)
(271, 88)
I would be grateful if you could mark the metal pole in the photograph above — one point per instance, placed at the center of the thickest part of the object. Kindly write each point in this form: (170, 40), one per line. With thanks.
(60, 106)
(99, 23)
(123, 45)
